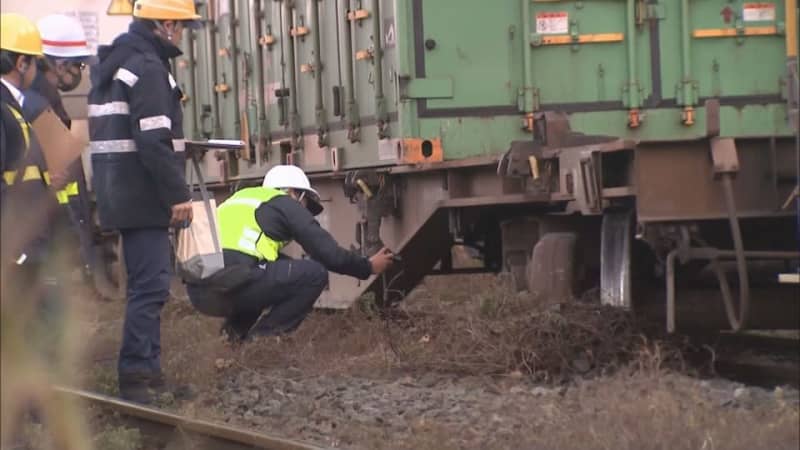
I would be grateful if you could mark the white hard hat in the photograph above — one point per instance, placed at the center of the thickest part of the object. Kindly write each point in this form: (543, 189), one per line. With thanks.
(292, 177)
(63, 37)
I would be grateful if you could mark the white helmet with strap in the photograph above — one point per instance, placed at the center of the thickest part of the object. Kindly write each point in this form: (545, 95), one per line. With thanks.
(293, 177)
(63, 37)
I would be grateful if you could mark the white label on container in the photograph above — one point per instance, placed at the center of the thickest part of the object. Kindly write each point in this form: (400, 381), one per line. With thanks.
(388, 149)
(389, 34)
(552, 22)
(758, 12)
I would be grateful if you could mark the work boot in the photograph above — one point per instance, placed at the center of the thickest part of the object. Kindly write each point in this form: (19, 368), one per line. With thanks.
(159, 385)
(135, 387)
(235, 328)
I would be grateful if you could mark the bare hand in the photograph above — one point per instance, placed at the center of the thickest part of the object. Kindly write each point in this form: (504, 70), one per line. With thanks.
(182, 214)
(381, 261)
(59, 180)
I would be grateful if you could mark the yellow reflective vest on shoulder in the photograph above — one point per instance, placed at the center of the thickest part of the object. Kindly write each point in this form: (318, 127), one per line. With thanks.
(239, 229)
(33, 172)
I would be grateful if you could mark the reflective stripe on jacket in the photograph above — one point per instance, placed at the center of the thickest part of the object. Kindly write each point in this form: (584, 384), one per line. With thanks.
(136, 132)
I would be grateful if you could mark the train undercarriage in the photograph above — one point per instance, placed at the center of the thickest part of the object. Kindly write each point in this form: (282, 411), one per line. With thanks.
(697, 233)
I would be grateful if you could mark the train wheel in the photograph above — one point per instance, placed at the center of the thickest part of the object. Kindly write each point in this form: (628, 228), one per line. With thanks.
(554, 272)
(615, 259)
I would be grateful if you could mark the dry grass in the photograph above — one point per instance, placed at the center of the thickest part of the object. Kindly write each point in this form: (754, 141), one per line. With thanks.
(552, 344)
(487, 332)
(657, 410)
(478, 326)
(40, 345)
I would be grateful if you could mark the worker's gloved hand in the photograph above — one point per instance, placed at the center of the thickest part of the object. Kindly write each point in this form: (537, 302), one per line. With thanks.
(182, 214)
(381, 261)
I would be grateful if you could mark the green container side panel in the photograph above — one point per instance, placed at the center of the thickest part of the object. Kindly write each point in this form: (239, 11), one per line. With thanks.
(730, 66)
(587, 72)
(455, 70)
(474, 136)
(665, 125)
(477, 46)
(274, 73)
(755, 121)
(657, 125)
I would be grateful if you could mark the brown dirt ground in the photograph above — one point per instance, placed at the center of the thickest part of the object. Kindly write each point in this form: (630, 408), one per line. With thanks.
(626, 391)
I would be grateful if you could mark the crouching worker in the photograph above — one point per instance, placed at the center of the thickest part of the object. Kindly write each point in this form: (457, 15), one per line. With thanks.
(255, 224)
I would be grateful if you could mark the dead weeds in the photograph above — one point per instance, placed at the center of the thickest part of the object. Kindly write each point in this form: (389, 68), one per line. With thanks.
(486, 332)
(655, 410)
(479, 326)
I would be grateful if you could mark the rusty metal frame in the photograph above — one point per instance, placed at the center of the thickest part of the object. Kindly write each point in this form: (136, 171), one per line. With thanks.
(686, 253)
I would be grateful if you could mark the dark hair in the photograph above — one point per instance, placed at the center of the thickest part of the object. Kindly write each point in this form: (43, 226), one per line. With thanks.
(8, 60)
(149, 23)
(42, 65)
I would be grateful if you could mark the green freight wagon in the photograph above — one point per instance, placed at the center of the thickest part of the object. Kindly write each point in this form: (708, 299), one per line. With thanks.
(625, 144)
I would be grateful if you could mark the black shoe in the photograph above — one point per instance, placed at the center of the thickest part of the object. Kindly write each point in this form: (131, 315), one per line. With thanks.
(161, 388)
(236, 330)
(157, 381)
(231, 334)
(135, 387)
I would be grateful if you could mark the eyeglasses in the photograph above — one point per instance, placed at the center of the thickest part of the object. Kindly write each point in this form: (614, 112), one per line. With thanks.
(69, 64)
(79, 65)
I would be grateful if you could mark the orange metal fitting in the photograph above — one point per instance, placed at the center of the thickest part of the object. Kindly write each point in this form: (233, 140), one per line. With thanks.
(687, 116)
(529, 122)
(634, 118)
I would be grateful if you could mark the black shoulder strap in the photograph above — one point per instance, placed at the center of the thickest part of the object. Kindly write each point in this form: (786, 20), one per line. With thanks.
(26, 136)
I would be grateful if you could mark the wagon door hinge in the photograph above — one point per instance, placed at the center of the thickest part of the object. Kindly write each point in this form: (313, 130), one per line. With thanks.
(649, 11)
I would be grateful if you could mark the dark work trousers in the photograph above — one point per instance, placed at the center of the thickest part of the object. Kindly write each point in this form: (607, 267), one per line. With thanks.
(80, 218)
(289, 287)
(147, 259)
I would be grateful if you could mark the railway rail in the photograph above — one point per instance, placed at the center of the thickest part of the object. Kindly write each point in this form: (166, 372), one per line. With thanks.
(763, 359)
(176, 432)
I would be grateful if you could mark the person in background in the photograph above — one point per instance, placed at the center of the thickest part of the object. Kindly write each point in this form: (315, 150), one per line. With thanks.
(66, 54)
(26, 197)
(255, 224)
(138, 166)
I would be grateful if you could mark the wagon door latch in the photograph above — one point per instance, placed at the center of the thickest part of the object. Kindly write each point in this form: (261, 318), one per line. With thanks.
(375, 195)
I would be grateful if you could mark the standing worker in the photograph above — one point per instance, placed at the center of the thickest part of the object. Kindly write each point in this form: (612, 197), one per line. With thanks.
(31, 302)
(66, 54)
(255, 224)
(26, 197)
(138, 165)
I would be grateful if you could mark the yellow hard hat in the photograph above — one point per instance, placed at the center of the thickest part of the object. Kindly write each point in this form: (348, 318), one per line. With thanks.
(165, 10)
(19, 35)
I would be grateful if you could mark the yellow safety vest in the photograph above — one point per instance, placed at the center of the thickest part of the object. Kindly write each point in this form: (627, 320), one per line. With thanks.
(32, 172)
(239, 229)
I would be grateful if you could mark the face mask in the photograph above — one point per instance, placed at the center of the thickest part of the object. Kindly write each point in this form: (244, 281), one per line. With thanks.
(69, 75)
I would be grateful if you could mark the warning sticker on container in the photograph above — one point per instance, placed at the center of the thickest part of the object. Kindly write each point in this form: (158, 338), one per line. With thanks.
(552, 22)
(758, 12)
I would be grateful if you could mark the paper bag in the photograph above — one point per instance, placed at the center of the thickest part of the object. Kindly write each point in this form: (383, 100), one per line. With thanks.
(59, 146)
(198, 253)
